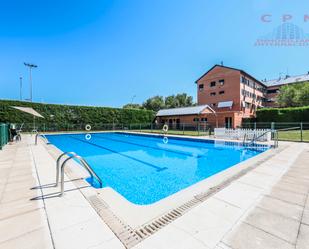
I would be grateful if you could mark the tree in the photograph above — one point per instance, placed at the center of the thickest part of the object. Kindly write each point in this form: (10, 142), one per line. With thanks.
(154, 103)
(132, 106)
(294, 95)
(184, 100)
(302, 95)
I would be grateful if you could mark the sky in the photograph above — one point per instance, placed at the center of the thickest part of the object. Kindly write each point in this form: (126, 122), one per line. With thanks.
(113, 52)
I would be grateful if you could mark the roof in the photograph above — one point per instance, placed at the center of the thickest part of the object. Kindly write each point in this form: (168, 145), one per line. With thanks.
(287, 80)
(28, 110)
(184, 110)
(231, 68)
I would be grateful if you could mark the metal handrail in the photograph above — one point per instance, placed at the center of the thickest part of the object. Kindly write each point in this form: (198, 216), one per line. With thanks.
(255, 138)
(244, 139)
(85, 165)
(42, 135)
(58, 164)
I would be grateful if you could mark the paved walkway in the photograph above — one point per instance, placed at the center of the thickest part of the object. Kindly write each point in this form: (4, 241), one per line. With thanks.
(23, 223)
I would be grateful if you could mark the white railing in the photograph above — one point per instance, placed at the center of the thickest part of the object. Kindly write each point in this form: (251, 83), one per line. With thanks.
(263, 135)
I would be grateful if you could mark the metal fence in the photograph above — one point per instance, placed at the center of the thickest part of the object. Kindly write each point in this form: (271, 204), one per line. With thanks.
(293, 131)
(198, 129)
(4, 134)
(289, 131)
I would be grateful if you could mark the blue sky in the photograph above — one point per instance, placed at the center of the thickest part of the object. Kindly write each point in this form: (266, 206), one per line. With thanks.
(103, 52)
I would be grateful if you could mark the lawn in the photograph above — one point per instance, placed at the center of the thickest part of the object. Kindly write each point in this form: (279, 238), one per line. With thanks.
(293, 135)
(175, 132)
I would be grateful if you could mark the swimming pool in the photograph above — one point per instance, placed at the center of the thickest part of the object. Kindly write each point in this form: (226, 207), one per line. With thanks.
(144, 168)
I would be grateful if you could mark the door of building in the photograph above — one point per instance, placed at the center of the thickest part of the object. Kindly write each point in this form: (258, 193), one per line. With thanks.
(178, 124)
(228, 122)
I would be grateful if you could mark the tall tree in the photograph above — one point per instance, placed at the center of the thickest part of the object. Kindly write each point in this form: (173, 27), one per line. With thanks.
(154, 103)
(294, 95)
(132, 106)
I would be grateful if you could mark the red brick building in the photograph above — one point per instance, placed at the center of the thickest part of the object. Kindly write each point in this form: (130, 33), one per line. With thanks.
(232, 93)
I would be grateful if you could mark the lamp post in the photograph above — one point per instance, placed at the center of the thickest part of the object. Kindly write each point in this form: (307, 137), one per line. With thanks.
(30, 76)
(20, 88)
(132, 99)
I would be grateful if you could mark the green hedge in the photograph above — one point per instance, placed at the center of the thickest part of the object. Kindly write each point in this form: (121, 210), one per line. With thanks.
(291, 114)
(59, 115)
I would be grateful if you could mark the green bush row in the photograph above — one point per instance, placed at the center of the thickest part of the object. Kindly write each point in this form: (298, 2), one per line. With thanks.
(61, 115)
(291, 114)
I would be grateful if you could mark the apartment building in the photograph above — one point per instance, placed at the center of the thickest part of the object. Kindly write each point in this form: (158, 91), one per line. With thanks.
(273, 87)
(231, 93)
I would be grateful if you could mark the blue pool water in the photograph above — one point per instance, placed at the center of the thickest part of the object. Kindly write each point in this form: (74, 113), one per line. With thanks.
(145, 169)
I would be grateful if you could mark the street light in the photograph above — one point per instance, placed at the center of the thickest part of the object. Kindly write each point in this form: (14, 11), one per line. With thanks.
(132, 99)
(30, 69)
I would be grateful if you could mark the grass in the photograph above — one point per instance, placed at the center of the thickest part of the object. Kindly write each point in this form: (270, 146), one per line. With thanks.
(174, 132)
(293, 135)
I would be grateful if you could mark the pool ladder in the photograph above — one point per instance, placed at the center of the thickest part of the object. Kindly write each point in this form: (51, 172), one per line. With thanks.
(60, 169)
(42, 135)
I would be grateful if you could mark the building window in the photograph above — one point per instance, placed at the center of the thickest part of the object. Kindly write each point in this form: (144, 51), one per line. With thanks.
(221, 92)
(247, 105)
(201, 87)
(212, 84)
(196, 119)
(272, 91)
(213, 94)
(221, 82)
(204, 119)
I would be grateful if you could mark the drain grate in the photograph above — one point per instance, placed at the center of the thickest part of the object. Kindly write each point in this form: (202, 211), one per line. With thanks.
(123, 231)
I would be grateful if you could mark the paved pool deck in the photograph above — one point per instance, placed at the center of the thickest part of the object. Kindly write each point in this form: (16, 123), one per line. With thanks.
(266, 208)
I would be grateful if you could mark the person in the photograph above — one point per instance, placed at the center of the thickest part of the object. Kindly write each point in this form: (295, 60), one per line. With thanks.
(13, 132)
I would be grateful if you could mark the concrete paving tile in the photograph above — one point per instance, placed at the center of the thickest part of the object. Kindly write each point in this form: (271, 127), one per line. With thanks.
(305, 218)
(15, 208)
(283, 208)
(21, 224)
(246, 236)
(204, 226)
(297, 175)
(38, 239)
(83, 235)
(288, 196)
(280, 226)
(172, 238)
(26, 184)
(220, 208)
(23, 193)
(303, 237)
(110, 244)
(293, 179)
(307, 203)
(239, 194)
(67, 215)
(222, 246)
(292, 187)
(257, 179)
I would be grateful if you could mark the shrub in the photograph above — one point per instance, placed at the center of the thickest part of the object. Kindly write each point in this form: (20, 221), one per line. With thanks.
(63, 115)
(291, 114)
